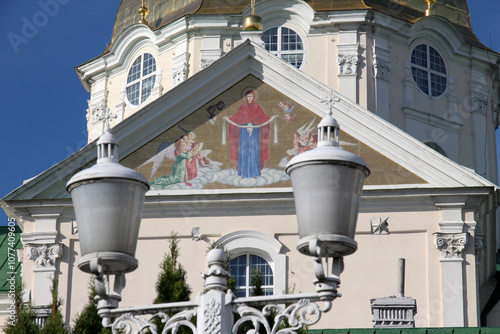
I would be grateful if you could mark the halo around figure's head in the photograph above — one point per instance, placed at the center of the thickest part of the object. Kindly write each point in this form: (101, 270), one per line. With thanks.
(246, 90)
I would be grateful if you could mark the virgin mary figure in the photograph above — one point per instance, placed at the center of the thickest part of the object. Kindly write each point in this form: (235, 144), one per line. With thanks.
(249, 133)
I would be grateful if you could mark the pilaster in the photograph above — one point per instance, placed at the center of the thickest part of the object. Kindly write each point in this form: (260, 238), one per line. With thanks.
(348, 58)
(451, 241)
(44, 250)
(212, 49)
(382, 71)
(180, 66)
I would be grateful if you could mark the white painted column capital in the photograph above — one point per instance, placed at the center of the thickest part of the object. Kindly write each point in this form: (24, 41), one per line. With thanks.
(45, 255)
(451, 245)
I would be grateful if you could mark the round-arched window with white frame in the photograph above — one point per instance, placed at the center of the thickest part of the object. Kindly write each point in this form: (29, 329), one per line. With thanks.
(245, 269)
(141, 79)
(428, 70)
(286, 44)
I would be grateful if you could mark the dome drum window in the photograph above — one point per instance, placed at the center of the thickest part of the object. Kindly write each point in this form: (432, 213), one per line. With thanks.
(285, 43)
(141, 79)
(428, 70)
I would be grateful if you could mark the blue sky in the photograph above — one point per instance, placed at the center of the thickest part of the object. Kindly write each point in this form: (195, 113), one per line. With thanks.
(43, 104)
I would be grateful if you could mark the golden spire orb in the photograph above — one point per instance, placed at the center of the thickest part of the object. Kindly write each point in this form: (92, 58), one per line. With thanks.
(252, 22)
(143, 12)
(430, 7)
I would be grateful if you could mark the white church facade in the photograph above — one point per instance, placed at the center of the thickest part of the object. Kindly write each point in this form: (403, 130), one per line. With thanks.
(416, 96)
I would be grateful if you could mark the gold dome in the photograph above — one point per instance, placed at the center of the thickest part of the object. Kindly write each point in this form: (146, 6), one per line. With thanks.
(252, 23)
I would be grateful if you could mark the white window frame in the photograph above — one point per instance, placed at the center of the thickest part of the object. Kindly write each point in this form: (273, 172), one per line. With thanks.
(263, 245)
(141, 79)
(429, 71)
(280, 52)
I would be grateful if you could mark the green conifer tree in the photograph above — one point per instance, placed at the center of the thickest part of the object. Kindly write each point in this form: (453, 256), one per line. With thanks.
(55, 322)
(88, 321)
(171, 285)
(24, 319)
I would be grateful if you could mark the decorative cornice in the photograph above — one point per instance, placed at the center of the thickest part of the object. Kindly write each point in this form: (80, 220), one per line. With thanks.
(451, 245)
(45, 255)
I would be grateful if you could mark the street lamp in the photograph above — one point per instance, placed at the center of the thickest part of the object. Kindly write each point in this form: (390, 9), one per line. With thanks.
(327, 183)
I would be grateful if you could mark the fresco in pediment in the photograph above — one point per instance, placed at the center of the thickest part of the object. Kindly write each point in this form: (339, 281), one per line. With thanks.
(242, 138)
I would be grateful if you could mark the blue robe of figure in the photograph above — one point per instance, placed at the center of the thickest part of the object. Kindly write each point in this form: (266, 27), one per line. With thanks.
(249, 158)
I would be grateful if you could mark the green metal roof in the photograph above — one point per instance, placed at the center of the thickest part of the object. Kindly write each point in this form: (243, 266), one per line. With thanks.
(9, 266)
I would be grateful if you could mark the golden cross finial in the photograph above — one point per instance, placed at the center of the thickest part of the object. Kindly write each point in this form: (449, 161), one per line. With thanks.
(252, 4)
(143, 12)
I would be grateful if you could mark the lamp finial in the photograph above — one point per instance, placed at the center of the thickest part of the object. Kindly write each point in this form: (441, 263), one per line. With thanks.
(328, 128)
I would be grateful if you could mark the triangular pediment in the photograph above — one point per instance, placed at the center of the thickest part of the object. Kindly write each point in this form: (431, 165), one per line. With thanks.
(230, 143)
(206, 103)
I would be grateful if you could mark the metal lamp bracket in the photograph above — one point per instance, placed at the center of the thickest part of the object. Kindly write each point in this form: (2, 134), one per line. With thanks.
(107, 297)
(327, 280)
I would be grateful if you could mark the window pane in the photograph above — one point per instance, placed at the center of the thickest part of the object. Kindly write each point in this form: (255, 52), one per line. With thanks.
(149, 64)
(135, 71)
(419, 55)
(271, 39)
(420, 77)
(147, 87)
(133, 93)
(436, 62)
(438, 84)
(237, 268)
(294, 59)
(290, 41)
(241, 269)
(285, 43)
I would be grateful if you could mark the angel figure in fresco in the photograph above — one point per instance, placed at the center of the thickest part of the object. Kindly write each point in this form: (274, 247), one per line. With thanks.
(288, 110)
(195, 160)
(179, 151)
(249, 130)
(185, 166)
(304, 139)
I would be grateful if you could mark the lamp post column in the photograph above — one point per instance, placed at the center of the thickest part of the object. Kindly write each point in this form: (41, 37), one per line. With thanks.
(215, 307)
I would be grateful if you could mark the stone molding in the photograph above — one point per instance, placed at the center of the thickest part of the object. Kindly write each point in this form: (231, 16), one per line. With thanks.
(451, 245)
(45, 255)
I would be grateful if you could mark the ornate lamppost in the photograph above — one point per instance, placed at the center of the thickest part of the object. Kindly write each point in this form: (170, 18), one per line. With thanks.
(108, 199)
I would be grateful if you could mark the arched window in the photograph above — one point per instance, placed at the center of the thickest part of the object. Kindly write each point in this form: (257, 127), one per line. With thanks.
(243, 269)
(141, 79)
(256, 250)
(285, 43)
(428, 70)
(436, 147)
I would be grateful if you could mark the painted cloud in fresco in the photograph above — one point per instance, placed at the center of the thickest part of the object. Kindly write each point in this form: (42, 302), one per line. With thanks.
(230, 177)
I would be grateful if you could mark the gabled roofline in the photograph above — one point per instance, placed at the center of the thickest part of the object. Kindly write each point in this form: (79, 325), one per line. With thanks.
(244, 60)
